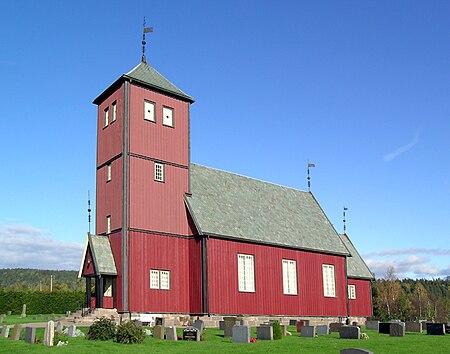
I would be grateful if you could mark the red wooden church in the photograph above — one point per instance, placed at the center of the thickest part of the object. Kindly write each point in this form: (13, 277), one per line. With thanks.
(179, 238)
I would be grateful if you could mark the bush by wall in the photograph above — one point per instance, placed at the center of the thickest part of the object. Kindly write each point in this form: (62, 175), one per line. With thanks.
(277, 331)
(41, 302)
(129, 333)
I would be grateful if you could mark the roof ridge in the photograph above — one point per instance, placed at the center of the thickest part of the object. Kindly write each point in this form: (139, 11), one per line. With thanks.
(252, 178)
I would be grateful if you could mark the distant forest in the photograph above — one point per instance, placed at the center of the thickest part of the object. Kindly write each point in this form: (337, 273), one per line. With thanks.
(406, 299)
(20, 279)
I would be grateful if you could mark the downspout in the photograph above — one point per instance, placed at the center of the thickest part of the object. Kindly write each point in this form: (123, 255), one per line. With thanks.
(125, 258)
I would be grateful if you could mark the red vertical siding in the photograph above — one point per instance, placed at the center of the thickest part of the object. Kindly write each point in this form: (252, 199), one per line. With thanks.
(224, 297)
(362, 305)
(153, 139)
(88, 267)
(109, 139)
(115, 240)
(195, 275)
(109, 197)
(158, 206)
(150, 251)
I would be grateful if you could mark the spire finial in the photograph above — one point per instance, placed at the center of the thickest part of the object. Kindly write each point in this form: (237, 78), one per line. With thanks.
(309, 178)
(89, 213)
(146, 30)
(344, 220)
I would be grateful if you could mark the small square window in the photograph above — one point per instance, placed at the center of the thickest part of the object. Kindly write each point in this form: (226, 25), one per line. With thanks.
(159, 172)
(108, 224)
(149, 111)
(351, 291)
(114, 111)
(168, 116)
(160, 279)
(108, 172)
(106, 117)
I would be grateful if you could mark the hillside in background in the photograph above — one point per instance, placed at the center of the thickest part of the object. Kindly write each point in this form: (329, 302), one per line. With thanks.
(39, 280)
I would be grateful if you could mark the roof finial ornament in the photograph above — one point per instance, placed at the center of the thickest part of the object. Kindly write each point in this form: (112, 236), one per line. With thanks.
(344, 221)
(146, 30)
(89, 213)
(309, 178)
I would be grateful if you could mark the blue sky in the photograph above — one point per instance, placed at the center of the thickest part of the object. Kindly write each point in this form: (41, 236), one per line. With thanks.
(360, 88)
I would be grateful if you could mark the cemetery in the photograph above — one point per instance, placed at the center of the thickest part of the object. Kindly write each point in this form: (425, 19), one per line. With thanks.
(48, 330)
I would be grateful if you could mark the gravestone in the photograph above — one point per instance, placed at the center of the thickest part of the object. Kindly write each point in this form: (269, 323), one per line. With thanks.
(191, 333)
(355, 351)
(8, 313)
(334, 327)
(384, 328)
(308, 331)
(397, 330)
(228, 329)
(40, 315)
(322, 329)
(413, 327)
(71, 332)
(59, 327)
(171, 333)
(34, 318)
(24, 311)
(264, 332)
(435, 329)
(284, 330)
(349, 332)
(49, 334)
(53, 317)
(158, 332)
(16, 332)
(30, 335)
(5, 332)
(68, 313)
(372, 325)
(1, 318)
(240, 334)
(200, 325)
(221, 325)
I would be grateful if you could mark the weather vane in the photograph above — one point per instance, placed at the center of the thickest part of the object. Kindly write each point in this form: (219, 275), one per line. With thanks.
(89, 213)
(146, 30)
(309, 178)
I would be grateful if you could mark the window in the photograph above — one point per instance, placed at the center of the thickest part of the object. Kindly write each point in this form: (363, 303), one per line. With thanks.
(329, 288)
(246, 273)
(107, 286)
(149, 111)
(168, 116)
(108, 172)
(108, 224)
(159, 172)
(289, 277)
(159, 279)
(114, 111)
(351, 291)
(106, 117)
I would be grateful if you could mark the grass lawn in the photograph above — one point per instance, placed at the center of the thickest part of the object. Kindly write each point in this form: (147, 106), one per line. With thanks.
(215, 343)
(13, 319)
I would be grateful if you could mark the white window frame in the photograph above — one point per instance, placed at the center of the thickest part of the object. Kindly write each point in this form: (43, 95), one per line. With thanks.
(149, 111)
(114, 111)
(159, 279)
(166, 119)
(108, 224)
(289, 277)
(246, 273)
(329, 280)
(159, 172)
(351, 289)
(108, 172)
(105, 117)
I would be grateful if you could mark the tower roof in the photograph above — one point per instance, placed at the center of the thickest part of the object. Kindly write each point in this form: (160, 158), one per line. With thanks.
(356, 267)
(145, 75)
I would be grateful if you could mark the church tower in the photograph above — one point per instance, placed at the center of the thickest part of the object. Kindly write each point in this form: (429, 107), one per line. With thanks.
(141, 181)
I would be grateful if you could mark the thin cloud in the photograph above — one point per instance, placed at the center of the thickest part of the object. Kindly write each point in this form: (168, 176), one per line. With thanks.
(402, 149)
(24, 246)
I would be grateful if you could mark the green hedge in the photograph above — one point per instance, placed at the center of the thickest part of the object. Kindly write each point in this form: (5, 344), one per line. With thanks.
(41, 302)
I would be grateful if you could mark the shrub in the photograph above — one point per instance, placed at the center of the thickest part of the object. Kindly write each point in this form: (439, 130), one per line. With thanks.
(60, 337)
(129, 333)
(277, 332)
(102, 329)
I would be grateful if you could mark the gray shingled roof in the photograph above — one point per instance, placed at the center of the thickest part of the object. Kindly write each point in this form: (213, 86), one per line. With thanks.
(237, 207)
(102, 254)
(146, 74)
(356, 267)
